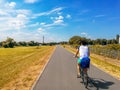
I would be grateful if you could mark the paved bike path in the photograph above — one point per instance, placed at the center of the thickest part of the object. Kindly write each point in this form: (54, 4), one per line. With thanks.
(61, 74)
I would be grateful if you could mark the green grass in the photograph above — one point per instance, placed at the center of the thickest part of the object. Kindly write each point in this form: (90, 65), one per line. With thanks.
(15, 60)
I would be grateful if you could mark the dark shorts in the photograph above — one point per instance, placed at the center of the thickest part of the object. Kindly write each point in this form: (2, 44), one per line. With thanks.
(84, 62)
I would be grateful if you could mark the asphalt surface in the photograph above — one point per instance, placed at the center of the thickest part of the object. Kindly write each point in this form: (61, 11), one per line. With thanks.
(61, 74)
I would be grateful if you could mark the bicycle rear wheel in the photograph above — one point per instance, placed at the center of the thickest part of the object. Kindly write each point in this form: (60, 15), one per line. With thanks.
(82, 74)
(84, 77)
(85, 80)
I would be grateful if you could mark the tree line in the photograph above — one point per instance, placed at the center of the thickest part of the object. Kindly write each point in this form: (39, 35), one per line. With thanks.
(109, 48)
(11, 43)
(75, 40)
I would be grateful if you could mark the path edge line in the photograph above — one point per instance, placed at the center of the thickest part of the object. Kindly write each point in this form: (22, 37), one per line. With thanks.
(40, 74)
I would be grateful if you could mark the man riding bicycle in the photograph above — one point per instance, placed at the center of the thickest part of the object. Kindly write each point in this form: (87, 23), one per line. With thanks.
(83, 60)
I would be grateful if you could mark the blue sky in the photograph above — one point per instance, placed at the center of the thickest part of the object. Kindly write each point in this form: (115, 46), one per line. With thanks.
(58, 20)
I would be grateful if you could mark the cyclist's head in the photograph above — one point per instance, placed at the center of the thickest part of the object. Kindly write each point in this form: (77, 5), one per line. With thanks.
(83, 42)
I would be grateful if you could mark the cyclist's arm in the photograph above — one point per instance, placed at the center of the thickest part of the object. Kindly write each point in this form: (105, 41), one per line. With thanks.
(77, 53)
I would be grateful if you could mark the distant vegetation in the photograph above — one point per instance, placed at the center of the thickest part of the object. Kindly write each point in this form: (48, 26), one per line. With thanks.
(11, 43)
(104, 47)
(76, 39)
(112, 51)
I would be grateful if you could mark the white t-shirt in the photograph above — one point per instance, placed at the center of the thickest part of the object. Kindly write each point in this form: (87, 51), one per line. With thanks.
(83, 51)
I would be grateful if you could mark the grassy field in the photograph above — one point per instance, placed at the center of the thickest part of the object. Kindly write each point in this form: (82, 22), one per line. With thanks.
(16, 62)
(101, 63)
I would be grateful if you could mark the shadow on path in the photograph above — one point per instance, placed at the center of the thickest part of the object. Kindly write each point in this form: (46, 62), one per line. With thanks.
(99, 83)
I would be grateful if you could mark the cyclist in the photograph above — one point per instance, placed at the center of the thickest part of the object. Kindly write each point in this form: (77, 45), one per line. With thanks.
(84, 54)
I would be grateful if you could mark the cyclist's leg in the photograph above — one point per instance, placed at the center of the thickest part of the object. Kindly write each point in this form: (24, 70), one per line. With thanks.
(85, 70)
(78, 67)
(78, 70)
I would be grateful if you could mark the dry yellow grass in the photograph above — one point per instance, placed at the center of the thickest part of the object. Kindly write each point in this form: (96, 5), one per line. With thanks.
(25, 79)
(107, 66)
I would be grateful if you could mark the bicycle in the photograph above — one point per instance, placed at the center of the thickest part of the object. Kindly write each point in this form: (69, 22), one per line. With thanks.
(84, 77)
(83, 65)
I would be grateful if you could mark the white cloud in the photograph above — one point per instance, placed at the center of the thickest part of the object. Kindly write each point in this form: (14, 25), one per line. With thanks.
(60, 18)
(83, 12)
(51, 18)
(11, 18)
(56, 10)
(59, 13)
(40, 29)
(34, 25)
(97, 16)
(2, 12)
(30, 1)
(55, 23)
(17, 35)
(11, 4)
(15, 23)
(59, 21)
(23, 11)
(68, 16)
(20, 16)
(24, 35)
(84, 34)
(6, 8)
(19, 21)
(42, 23)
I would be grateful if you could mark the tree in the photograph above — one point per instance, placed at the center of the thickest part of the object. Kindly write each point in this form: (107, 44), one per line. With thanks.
(114, 41)
(90, 42)
(103, 42)
(9, 43)
(63, 42)
(22, 43)
(4, 44)
(0, 44)
(32, 43)
(75, 40)
(51, 43)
